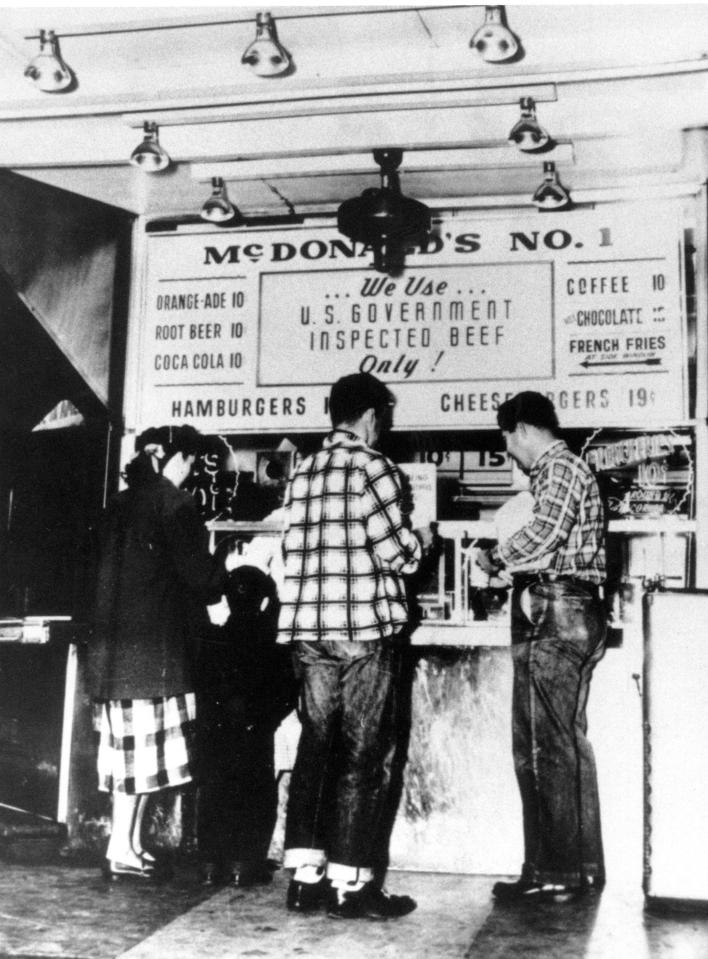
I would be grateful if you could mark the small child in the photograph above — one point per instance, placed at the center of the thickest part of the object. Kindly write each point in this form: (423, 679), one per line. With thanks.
(245, 688)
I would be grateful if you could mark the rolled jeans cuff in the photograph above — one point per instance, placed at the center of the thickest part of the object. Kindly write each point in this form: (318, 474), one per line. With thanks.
(294, 858)
(336, 872)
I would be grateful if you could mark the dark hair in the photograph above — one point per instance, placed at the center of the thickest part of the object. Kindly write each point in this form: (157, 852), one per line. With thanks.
(173, 439)
(246, 589)
(531, 408)
(353, 395)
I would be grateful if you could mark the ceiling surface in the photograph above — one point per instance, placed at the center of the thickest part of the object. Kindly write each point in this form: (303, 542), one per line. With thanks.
(622, 90)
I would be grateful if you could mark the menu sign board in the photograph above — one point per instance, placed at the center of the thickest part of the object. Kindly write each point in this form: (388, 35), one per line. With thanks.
(244, 331)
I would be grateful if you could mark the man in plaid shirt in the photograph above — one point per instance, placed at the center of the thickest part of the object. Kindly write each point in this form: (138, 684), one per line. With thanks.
(347, 548)
(557, 633)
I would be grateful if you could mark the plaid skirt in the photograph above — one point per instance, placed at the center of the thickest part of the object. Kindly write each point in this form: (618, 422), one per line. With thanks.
(144, 744)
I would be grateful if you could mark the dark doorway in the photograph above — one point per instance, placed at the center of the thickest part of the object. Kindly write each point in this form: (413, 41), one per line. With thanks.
(54, 496)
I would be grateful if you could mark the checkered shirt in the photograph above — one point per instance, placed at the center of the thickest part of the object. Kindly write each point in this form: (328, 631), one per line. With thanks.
(568, 519)
(346, 546)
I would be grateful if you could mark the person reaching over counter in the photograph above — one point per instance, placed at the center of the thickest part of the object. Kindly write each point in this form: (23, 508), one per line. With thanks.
(558, 625)
(347, 548)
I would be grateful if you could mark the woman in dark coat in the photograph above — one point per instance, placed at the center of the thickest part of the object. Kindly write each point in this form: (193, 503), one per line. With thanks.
(155, 579)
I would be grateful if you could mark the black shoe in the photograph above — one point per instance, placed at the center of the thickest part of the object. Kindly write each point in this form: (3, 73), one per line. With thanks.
(306, 896)
(369, 902)
(246, 875)
(525, 890)
(212, 874)
(593, 884)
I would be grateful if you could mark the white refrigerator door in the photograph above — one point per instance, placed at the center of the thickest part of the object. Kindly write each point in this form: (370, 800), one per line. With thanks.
(676, 745)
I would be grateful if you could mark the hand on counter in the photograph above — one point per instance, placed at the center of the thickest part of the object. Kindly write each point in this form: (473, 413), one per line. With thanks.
(430, 539)
(425, 535)
(487, 561)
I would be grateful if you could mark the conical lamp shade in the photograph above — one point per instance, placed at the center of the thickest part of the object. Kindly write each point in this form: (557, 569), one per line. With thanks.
(265, 55)
(217, 208)
(527, 133)
(494, 41)
(149, 155)
(47, 70)
(551, 194)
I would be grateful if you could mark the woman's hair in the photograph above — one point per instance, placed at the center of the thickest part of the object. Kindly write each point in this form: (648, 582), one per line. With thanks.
(161, 442)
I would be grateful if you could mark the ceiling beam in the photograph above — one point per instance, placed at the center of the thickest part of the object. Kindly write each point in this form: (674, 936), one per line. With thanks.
(461, 158)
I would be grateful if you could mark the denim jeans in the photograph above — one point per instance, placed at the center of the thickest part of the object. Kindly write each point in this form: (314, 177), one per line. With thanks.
(557, 640)
(340, 781)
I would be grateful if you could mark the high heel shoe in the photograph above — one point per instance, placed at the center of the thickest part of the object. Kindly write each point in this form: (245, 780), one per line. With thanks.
(158, 864)
(212, 874)
(114, 871)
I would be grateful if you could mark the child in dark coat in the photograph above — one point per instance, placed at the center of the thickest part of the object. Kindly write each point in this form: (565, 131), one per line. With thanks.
(245, 688)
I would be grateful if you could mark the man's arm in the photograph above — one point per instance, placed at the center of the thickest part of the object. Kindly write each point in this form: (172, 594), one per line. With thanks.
(394, 543)
(555, 513)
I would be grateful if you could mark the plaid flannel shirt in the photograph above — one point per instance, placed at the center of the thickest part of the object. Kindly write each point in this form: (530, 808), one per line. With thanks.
(346, 546)
(568, 520)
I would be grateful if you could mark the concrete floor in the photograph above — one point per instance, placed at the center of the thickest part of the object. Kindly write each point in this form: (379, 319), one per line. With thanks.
(68, 911)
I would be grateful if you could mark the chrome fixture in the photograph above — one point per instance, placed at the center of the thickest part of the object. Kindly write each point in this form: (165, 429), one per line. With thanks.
(265, 55)
(494, 41)
(47, 70)
(551, 194)
(218, 208)
(149, 155)
(527, 133)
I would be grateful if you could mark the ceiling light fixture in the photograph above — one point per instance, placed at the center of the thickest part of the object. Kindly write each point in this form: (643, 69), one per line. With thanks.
(527, 133)
(218, 208)
(383, 218)
(551, 194)
(494, 41)
(265, 55)
(47, 70)
(149, 155)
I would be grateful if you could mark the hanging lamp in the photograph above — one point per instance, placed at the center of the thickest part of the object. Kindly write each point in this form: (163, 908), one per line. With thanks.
(382, 217)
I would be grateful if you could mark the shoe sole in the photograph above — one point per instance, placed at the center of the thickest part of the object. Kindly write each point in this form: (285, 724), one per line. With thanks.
(156, 873)
(358, 915)
(533, 898)
(337, 913)
(112, 876)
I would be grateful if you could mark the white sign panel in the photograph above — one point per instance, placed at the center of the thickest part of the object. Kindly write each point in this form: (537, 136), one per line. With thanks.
(422, 478)
(429, 326)
(246, 331)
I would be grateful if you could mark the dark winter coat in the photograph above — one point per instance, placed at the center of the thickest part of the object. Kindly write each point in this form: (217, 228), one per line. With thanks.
(243, 680)
(155, 579)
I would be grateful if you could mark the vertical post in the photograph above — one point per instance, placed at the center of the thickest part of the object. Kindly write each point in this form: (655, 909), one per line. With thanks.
(701, 415)
(67, 729)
